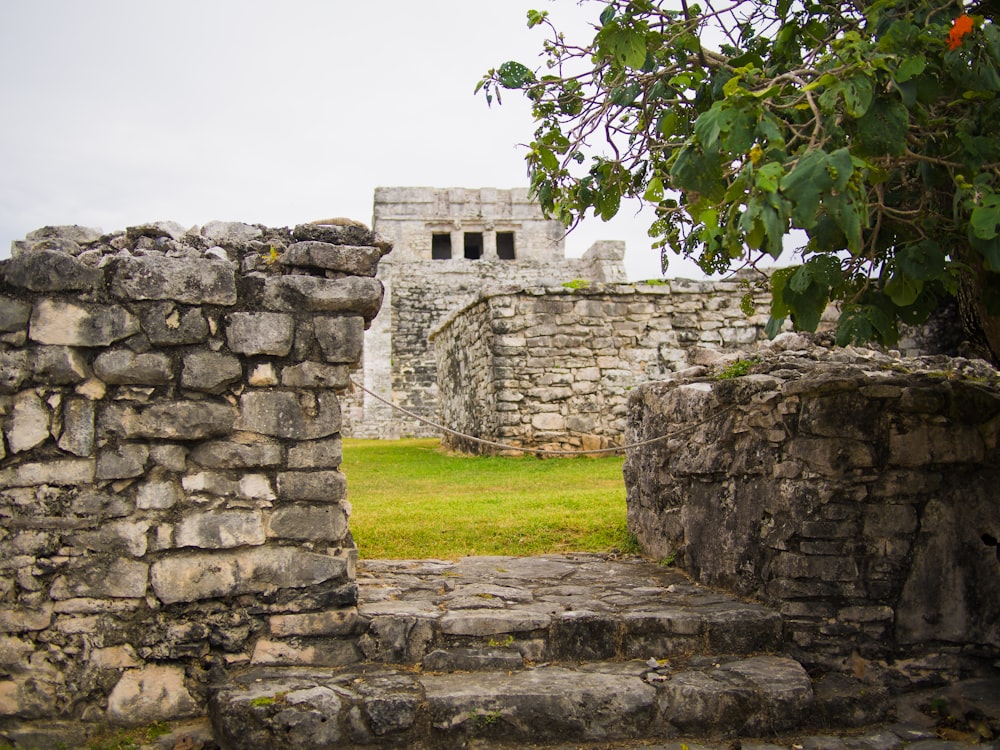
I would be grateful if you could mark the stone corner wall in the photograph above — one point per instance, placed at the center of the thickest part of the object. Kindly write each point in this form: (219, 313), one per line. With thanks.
(171, 502)
(855, 490)
(552, 367)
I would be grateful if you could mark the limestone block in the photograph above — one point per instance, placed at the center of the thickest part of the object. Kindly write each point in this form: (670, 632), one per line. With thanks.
(194, 282)
(14, 370)
(77, 435)
(353, 260)
(153, 693)
(51, 271)
(62, 472)
(330, 622)
(202, 575)
(210, 372)
(260, 333)
(549, 421)
(233, 233)
(315, 375)
(263, 376)
(121, 537)
(231, 454)
(125, 367)
(316, 454)
(25, 619)
(115, 657)
(339, 234)
(14, 652)
(72, 232)
(171, 457)
(351, 294)
(318, 523)
(220, 529)
(59, 365)
(323, 654)
(922, 444)
(329, 486)
(119, 579)
(166, 324)
(27, 697)
(122, 461)
(14, 314)
(155, 230)
(285, 414)
(178, 420)
(340, 339)
(91, 503)
(158, 494)
(28, 424)
(76, 324)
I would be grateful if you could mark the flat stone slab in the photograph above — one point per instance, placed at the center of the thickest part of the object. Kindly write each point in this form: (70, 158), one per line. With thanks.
(572, 608)
(380, 706)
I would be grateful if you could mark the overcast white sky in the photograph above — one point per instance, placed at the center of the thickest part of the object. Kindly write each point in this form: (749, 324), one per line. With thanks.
(119, 112)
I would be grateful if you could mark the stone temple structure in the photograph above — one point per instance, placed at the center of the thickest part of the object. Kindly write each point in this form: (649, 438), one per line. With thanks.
(449, 245)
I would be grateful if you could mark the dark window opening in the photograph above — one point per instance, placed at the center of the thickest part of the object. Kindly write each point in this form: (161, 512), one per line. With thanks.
(473, 245)
(505, 245)
(441, 246)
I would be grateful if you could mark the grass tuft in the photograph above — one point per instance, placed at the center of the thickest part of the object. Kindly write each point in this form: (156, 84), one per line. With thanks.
(412, 500)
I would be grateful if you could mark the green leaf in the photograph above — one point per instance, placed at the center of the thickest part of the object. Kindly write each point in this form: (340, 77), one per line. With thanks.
(925, 261)
(903, 290)
(535, 17)
(883, 128)
(910, 67)
(803, 186)
(654, 191)
(514, 75)
(768, 176)
(986, 217)
(607, 15)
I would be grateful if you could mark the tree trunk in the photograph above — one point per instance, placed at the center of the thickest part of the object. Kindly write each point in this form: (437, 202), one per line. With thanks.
(981, 329)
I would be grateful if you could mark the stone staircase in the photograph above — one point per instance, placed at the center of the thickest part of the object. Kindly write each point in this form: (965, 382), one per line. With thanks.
(508, 650)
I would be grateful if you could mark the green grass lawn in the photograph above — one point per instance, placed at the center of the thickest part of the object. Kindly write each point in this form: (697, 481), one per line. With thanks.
(412, 500)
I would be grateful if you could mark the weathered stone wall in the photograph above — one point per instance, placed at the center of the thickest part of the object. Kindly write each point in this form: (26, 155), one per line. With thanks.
(421, 291)
(856, 490)
(552, 367)
(170, 497)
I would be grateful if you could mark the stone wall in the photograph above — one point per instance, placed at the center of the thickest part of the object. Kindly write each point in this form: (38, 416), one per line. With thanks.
(170, 497)
(552, 367)
(855, 490)
(420, 291)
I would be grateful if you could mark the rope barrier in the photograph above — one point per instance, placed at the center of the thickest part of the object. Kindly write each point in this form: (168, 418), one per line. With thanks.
(542, 451)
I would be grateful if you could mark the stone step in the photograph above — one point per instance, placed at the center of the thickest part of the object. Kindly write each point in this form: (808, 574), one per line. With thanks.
(500, 612)
(378, 706)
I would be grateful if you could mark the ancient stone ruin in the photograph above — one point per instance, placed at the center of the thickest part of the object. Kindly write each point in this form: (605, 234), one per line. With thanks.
(170, 495)
(449, 244)
(856, 491)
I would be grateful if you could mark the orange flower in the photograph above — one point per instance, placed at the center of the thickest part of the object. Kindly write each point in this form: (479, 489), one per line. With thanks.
(962, 26)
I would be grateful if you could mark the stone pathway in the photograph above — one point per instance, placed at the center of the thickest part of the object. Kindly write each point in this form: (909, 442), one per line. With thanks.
(581, 651)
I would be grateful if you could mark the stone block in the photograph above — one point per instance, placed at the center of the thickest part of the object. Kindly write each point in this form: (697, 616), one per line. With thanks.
(193, 282)
(158, 493)
(331, 622)
(14, 314)
(14, 370)
(328, 486)
(233, 233)
(125, 367)
(76, 324)
(352, 260)
(68, 472)
(166, 324)
(339, 234)
(153, 693)
(260, 333)
(921, 444)
(220, 529)
(118, 537)
(59, 365)
(340, 339)
(289, 415)
(233, 454)
(179, 420)
(117, 579)
(351, 294)
(316, 523)
(51, 271)
(28, 424)
(315, 375)
(77, 435)
(25, 619)
(193, 576)
(210, 372)
(316, 454)
(321, 653)
(121, 462)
